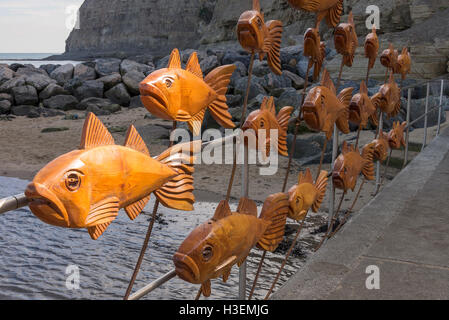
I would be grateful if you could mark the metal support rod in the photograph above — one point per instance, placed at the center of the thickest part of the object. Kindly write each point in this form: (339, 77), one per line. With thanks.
(381, 128)
(407, 134)
(441, 108)
(245, 194)
(426, 116)
(332, 188)
(153, 285)
(13, 203)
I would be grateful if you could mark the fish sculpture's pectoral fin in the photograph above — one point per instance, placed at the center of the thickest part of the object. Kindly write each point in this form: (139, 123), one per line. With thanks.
(226, 274)
(343, 118)
(396, 109)
(133, 210)
(272, 45)
(334, 14)
(283, 118)
(196, 122)
(101, 215)
(95, 232)
(206, 289)
(320, 185)
(218, 79)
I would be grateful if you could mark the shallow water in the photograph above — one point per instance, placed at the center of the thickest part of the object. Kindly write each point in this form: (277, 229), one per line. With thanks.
(34, 256)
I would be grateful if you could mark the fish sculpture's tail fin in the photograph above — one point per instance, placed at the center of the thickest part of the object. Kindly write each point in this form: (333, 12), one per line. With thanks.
(343, 119)
(283, 117)
(320, 185)
(333, 14)
(218, 79)
(178, 192)
(368, 158)
(272, 46)
(274, 211)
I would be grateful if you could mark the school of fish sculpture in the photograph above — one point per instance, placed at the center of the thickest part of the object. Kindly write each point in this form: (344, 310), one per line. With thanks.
(213, 248)
(396, 135)
(266, 119)
(256, 36)
(388, 99)
(346, 41)
(350, 164)
(315, 50)
(381, 147)
(323, 108)
(176, 94)
(404, 64)
(389, 57)
(329, 9)
(361, 108)
(372, 47)
(306, 195)
(86, 188)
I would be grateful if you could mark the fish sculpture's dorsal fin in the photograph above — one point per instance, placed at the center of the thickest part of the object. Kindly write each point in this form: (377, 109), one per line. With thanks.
(175, 60)
(374, 30)
(268, 104)
(327, 82)
(404, 50)
(320, 185)
(256, 5)
(351, 18)
(345, 148)
(247, 206)
(223, 210)
(363, 87)
(95, 134)
(306, 178)
(134, 141)
(193, 65)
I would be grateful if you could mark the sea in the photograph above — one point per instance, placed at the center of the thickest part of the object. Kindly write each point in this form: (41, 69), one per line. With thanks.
(36, 59)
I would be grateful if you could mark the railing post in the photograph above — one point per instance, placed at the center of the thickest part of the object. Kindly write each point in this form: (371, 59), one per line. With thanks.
(425, 117)
(381, 129)
(440, 109)
(409, 99)
(332, 188)
(245, 193)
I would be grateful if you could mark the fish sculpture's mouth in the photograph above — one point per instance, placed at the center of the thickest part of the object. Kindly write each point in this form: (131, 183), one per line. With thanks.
(46, 205)
(247, 35)
(385, 59)
(393, 143)
(338, 181)
(354, 112)
(186, 268)
(310, 43)
(311, 116)
(154, 100)
(340, 40)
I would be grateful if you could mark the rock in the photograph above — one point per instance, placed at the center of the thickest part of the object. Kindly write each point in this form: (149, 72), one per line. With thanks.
(97, 111)
(90, 88)
(308, 149)
(255, 103)
(136, 102)
(272, 81)
(132, 81)
(47, 113)
(52, 90)
(290, 97)
(301, 69)
(231, 56)
(105, 67)
(128, 65)
(291, 53)
(61, 102)
(22, 110)
(39, 81)
(417, 108)
(186, 54)
(5, 74)
(29, 70)
(255, 89)
(25, 95)
(71, 85)
(118, 94)
(103, 104)
(10, 84)
(16, 66)
(49, 68)
(240, 69)
(111, 80)
(297, 81)
(63, 73)
(151, 132)
(163, 63)
(5, 106)
(6, 96)
(261, 68)
(84, 72)
(234, 100)
(142, 58)
(209, 63)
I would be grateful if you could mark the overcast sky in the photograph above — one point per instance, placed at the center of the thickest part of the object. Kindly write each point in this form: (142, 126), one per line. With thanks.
(34, 26)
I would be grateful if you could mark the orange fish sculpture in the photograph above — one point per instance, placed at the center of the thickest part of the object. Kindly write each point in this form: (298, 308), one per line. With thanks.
(266, 119)
(381, 147)
(346, 41)
(396, 135)
(361, 108)
(389, 57)
(214, 247)
(86, 188)
(306, 195)
(329, 9)
(256, 36)
(388, 99)
(184, 95)
(315, 50)
(404, 64)
(350, 164)
(323, 108)
(372, 48)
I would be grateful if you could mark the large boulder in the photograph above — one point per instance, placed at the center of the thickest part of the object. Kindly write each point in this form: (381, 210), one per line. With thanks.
(119, 95)
(290, 97)
(46, 112)
(105, 67)
(261, 68)
(39, 81)
(49, 68)
(308, 149)
(129, 65)
(10, 84)
(52, 90)
(5, 74)
(84, 72)
(255, 88)
(209, 63)
(297, 81)
(6, 96)
(111, 80)
(90, 88)
(132, 81)
(93, 104)
(418, 107)
(61, 102)
(231, 56)
(30, 69)
(25, 95)
(5, 106)
(63, 73)
(23, 110)
(136, 102)
(272, 81)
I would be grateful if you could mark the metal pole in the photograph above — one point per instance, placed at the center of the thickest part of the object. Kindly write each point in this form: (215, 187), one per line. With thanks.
(441, 108)
(425, 117)
(409, 99)
(245, 193)
(13, 203)
(153, 285)
(332, 188)
(381, 128)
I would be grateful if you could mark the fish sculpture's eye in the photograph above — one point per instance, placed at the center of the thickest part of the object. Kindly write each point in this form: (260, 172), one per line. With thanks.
(207, 253)
(262, 124)
(73, 180)
(322, 101)
(259, 23)
(168, 82)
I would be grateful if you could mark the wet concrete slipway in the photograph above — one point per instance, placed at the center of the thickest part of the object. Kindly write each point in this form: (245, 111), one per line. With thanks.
(34, 256)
